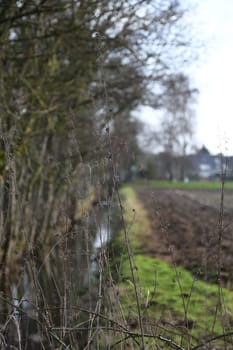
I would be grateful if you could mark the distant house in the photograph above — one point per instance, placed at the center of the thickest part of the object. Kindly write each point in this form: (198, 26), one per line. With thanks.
(204, 165)
(229, 167)
(199, 165)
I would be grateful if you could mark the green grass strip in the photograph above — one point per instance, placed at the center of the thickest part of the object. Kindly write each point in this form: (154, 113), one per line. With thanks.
(168, 293)
(201, 185)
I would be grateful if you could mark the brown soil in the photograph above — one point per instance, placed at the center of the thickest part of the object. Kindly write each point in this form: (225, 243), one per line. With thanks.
(186, 230)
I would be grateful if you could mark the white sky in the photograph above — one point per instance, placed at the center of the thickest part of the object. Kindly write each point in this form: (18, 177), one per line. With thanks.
(213, 77)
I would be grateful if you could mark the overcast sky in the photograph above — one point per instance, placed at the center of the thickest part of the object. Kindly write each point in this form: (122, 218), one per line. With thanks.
(213, 77)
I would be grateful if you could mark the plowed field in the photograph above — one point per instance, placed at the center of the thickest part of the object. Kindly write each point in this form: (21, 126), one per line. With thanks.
(188, 230)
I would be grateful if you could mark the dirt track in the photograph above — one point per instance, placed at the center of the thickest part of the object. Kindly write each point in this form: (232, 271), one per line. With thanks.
(185, 230)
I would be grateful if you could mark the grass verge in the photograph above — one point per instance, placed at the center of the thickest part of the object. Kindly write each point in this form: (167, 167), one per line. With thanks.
(174, 304)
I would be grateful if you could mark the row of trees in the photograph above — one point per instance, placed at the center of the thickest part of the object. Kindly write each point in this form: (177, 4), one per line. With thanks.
(71, 73)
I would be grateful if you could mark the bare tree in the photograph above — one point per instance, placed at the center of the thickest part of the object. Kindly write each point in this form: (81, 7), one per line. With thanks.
(177, 123)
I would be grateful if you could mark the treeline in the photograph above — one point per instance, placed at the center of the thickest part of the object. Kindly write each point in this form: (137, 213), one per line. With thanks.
(71, 73)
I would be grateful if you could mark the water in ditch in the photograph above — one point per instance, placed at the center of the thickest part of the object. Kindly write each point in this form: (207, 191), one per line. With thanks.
(67, 277)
